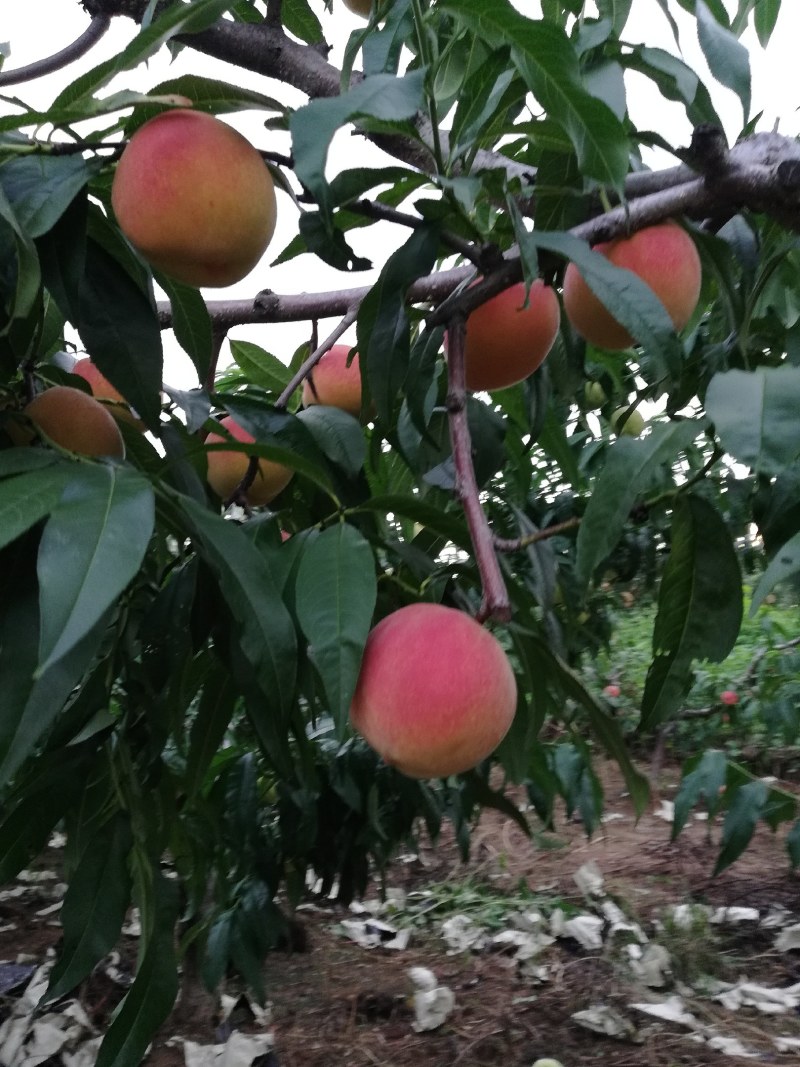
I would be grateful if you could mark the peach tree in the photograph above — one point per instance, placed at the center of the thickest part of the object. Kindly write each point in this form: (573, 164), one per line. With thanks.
(177, 669)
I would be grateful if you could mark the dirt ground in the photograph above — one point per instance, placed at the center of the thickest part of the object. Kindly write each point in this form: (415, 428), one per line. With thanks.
(339, 1003)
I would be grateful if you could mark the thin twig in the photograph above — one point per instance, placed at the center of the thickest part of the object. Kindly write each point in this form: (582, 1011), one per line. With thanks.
(503, 544)
(308, 364)
(87, 40)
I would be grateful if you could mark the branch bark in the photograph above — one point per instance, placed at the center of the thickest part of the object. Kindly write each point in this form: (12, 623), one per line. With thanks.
(79, 47)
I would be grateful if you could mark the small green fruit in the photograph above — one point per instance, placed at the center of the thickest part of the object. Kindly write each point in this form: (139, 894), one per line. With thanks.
(633, 425)
(547, 1063)
(594, 395)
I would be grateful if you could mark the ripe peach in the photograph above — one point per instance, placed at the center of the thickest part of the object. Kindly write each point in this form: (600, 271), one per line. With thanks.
(359, 7)
(194, 198)
(729, 697)
(506, 341)
(436, 693)
(663, 256)
(226, 468)
(612, 691)
(102, 389)
(76, 421)
(334, 382)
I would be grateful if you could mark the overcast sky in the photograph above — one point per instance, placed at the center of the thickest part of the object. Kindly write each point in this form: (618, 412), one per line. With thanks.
(36, 28)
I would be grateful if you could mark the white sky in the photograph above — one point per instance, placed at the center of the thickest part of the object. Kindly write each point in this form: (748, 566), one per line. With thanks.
(37, 28)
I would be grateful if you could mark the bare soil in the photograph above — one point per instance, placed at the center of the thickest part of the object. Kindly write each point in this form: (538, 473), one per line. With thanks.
(338, 1003)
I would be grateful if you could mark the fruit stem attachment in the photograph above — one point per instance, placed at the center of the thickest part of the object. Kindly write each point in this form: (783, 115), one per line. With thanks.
(494, 603)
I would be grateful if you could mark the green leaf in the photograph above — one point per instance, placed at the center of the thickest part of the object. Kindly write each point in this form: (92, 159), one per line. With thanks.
(267, 637)
(703, 778)
(191, 322)
(260, 367)
(206, 94)
(699, 606)
(208, 729)
(479, 99)
(335, 596)
(740, 822)
(793, 845)
(151, 997)
(178, 18)
(630, 300)
(450, 526)
(755, 415)
(628, 467)
(339, 436)
(94, 906)
(784, 565)
(606, 729)
(764, 18)
(727, 58)
(40, 188)
(548, 62)
(92, 547)
(616, 11)
(120, 330)
(28, 497)
(380, 96)
(383, 328)
(299, 20)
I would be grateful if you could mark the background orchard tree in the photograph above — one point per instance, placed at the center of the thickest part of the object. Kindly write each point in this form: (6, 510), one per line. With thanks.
(177, 669)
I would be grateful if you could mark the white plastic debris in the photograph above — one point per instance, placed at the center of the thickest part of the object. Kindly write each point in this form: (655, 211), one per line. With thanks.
(651, 965)
(533, 972)
(525, 945)
(462, 934)
(686, 915)
(589, 879)
(587, 930)
(734, 916)
(240, 1050)
(372, 933)
(776, 917)
(603, 1019)
(788, 939)
(768, 999)
(787, 1044)
(672, 1010)
(432, 1002)
(666, 811)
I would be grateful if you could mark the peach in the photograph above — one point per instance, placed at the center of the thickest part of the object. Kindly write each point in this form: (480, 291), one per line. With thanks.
(729, 697)
(359, 7)
(631, 427)
(333, 382)
(102, 389)
(663, 256)
(194, 198)
(436, 693)
(507, 341)
(227, 468)
(76, 421)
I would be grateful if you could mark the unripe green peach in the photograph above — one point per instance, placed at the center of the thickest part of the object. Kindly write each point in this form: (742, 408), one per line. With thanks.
(436, 693)
(506, 341)
(663, 256)
(76, 421)
(594, 395)
(227, 468)
(631, 427)
(194, 198)
(333, 382)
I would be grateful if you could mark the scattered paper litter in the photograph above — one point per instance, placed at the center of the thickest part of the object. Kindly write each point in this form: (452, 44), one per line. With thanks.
(527, 945)
(672, 1010)
(587, 930)
(666, 811)
(734, 916)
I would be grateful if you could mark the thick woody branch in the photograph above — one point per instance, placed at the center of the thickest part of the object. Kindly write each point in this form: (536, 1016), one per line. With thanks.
(495, 603)
(87, 40)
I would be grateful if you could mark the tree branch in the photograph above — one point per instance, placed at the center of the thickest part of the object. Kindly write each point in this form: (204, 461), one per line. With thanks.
(495, 603)
(87, 40)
